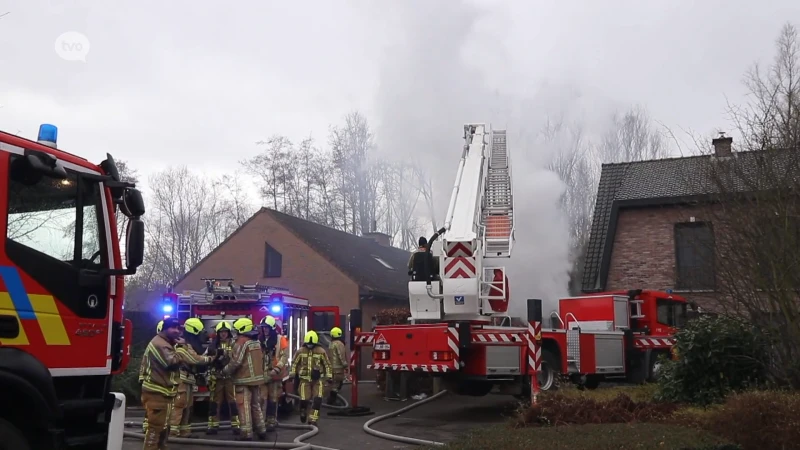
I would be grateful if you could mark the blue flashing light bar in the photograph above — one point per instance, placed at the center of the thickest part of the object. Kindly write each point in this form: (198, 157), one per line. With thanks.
(276, 308)
(167, 308)
(48, 135)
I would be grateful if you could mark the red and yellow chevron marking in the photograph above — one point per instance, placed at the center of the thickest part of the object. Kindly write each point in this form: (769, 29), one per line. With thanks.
(47, 318)
(459, 267)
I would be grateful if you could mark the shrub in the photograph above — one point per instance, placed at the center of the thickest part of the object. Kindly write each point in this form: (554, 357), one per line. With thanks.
(392, 316)
(716, 356)
(758, 420)
(590, 437)
(576, 410)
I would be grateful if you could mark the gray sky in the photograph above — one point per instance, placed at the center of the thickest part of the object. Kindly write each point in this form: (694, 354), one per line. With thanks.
(198, 82)
(168, 80)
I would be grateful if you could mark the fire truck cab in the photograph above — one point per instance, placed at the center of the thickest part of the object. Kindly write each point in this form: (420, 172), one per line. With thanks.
(62, 330)
(222, 300)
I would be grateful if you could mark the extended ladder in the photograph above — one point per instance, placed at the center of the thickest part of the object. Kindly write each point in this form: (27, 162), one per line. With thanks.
(498, 202)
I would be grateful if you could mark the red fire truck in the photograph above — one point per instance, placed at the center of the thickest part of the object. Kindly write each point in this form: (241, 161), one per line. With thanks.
(62, 332)
(222, 300)
(459, 328)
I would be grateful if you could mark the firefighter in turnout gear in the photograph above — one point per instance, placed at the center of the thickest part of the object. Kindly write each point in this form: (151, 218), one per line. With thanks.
(220, 386)
(310, 368)
(247, 368)
(276, 360)
(160, 380)
(338, 363)
(188, 350)
(142, 368)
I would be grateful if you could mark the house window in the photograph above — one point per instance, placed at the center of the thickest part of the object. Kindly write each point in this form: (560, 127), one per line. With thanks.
(694, 256)
(272, 262)
(775, 253)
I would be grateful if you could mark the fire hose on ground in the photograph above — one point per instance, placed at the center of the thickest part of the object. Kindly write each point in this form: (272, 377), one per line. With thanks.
(297, 443)
(398, 438)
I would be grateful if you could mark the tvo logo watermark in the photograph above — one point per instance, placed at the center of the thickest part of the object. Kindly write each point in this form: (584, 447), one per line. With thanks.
(72, 46)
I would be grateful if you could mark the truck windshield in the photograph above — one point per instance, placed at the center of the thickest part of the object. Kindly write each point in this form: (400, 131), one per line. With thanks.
(671, 313)
(43, 216)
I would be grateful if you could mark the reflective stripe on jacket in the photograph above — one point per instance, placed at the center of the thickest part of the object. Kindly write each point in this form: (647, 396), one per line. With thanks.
(160, 367)
(338, 355)
(306, 362)
(278, 359)
(247, 362)
(189, 357)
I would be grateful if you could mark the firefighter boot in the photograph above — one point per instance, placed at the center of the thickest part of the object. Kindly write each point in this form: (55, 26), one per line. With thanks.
(272, 413)
(315, 406)
(213, 421)
(235, 424)
(303, 408)
(332, 397)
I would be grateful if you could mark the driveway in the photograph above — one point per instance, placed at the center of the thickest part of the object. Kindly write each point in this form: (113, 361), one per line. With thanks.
(440, 420)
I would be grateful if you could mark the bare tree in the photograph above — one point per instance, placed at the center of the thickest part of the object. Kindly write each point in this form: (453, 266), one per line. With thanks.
(632, 137)
(352, 147)
(270, 168)
(188, 216)
(755, 210)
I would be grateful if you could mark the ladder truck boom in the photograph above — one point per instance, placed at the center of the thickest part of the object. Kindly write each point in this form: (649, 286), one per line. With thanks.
(479, 225)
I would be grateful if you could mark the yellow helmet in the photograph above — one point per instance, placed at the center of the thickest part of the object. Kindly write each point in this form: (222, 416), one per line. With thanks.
(193, 325)
(243, 325)
(159, 326)
(311, 338)
(268, 321)
(336, 332)
(223, 325)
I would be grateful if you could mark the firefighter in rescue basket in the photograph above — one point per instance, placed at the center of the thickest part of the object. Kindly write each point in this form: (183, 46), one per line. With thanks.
(188, 348)
(276, 359)
(310, 369)
(338, 363)
(247, 368)
(220, 387)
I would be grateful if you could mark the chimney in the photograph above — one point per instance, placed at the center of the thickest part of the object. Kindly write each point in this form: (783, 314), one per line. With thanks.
(381, 238)
(722, 145)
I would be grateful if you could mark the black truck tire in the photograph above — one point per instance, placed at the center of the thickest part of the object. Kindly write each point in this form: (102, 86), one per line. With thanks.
(11, 437)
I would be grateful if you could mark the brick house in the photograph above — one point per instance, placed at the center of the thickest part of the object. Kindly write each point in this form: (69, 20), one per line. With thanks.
(649, 217)
(327, 266)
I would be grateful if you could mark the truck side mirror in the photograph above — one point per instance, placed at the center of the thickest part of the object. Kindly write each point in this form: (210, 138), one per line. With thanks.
(134, 244)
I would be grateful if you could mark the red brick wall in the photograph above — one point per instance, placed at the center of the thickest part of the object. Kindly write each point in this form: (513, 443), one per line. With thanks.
(304, 272)
(643, 255)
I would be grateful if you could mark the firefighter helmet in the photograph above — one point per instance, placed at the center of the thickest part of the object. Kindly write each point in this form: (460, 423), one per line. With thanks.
(193, 325)
(311, 338)
(223, 325)
(268, 321)
(243, 325)
(336, 332)
(159, 326)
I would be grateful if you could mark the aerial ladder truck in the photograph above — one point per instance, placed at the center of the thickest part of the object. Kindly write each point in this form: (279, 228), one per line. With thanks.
(459, 329)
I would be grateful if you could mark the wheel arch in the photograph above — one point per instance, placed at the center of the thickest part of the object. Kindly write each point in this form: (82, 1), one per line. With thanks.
(551, 346)
(28, 387)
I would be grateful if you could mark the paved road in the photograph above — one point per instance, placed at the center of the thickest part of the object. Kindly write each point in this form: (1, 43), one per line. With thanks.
(441, 420)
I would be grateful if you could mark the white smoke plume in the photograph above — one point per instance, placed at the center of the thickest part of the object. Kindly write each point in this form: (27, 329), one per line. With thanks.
(446, 69)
